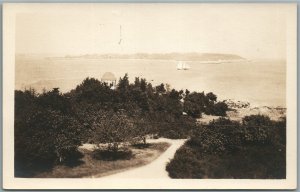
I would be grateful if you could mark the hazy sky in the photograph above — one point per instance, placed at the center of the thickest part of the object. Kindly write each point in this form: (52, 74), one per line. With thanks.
(252, 31)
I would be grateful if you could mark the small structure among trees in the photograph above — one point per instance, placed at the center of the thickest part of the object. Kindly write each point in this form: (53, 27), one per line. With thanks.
(110, 79)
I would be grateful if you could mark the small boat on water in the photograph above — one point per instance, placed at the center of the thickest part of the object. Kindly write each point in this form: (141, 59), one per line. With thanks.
(182, 66)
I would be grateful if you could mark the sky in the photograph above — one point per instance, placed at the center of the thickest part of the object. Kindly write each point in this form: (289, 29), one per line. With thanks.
(248, 30)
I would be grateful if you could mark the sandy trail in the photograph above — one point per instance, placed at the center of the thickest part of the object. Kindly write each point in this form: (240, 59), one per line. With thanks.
(157, 168)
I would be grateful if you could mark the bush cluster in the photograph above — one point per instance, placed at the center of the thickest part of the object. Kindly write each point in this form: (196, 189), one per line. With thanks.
(254, 148)
(46, 133)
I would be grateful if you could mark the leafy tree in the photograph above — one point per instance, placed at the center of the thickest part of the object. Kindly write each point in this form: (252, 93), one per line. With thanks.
(160, 89)
(256, 120)
(123, 88)
(45, 131)
(187, 92)
(257, 129)
(211, 96)
(143, 85)
(44, 138)
(54, 100)
(137, 82)
(93, 91)
(175, 95)
(220, 109)
(194, 104)
(112, 128)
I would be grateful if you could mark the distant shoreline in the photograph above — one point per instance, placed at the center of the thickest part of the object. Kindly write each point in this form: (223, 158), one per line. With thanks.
(204, 75)
(205, 57)
(162, 60)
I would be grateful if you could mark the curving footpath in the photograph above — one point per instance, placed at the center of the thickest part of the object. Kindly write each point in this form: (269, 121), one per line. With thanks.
(157, 168)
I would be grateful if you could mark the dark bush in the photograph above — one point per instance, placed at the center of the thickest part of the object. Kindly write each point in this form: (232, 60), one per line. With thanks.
(141, 145)
(220, 109)
(73, 158)
(219, 150)
(111, 155)
(44, 135)
(185, 165)
(221, 135)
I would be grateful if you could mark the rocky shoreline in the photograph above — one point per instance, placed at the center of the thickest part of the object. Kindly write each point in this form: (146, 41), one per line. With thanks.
(240, 109)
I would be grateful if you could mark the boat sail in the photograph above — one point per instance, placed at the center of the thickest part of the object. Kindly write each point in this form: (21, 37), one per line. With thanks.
(179, 65)
(186, 66)
(182, 66)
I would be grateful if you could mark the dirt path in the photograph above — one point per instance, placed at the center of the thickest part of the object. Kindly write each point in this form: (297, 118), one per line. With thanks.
(157, 168)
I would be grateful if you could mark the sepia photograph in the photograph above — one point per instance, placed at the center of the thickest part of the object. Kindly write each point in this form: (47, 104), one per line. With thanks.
(166, 95)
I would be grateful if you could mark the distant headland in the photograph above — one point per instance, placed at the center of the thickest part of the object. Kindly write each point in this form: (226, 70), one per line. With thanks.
(161, 56)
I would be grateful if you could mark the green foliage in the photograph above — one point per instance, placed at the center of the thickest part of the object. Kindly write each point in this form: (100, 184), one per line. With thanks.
(112, 155)
(211, 96)
(185, 164)
(177, 128)
(219, 136)
(254, 148)
(197, 103)
(219, 109)
(113, 129)
(259, 129)
(194, 104)
(143, 85)
(92, 91)
(50, 126)
(45, 134)
(160, 89)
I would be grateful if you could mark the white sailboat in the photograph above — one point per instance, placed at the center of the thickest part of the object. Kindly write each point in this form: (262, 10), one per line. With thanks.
(182, 66)
(179, 65)
(186, 66)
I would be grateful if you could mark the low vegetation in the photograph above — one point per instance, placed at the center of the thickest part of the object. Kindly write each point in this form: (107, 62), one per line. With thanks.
(98, 163)
(50, 126)
(252, 149)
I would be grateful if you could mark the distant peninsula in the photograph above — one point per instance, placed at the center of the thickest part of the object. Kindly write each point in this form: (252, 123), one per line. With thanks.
(161, 56)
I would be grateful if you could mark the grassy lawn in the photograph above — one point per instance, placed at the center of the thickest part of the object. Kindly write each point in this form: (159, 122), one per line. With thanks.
(90, 166)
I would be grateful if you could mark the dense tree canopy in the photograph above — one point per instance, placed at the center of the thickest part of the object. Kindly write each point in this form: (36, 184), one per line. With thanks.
(50, 126)
(46, 131)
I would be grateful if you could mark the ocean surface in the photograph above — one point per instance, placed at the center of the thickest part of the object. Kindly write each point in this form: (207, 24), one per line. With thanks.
(260, 82)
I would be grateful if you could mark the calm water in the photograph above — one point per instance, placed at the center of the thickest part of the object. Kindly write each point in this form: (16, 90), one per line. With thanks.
(259, 82)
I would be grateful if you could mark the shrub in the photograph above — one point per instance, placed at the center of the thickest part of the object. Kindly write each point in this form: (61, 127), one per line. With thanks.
(197, 103)
(259, 129)
(223, 150)
(44, 139)
(185, 164)
(221, 135)
(220, 109)
(141, 145)
(113, 129)
(112, 155)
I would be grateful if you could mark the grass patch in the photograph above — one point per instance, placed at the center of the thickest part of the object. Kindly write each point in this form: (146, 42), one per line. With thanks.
(98, 165)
